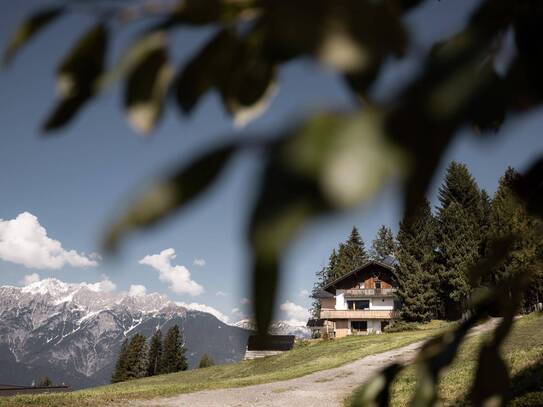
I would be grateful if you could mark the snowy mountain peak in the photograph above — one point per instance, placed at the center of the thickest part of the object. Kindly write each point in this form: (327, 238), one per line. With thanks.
(50, 286)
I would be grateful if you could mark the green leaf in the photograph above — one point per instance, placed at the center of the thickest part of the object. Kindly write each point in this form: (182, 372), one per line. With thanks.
(134, 56)
(80, 69)
(208, 69)
(28, 29)
(146, 88)
(249, 87)
(202, 12)
(78, 76)
(63, 112)
(491, 378)
(171, 194)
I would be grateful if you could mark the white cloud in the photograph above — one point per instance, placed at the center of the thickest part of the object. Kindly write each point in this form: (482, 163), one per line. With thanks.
(199, 262)
(104, 286)
(137, 290)
(303, 294)
(24, 241)
(296, 314)
(30, 278)
(177, 276)
(239, 313)
(206, 308)
(221, 294)
(245, 301)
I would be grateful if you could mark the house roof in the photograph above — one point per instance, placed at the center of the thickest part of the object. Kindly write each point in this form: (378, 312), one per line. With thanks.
(322, 294)
(388, 263)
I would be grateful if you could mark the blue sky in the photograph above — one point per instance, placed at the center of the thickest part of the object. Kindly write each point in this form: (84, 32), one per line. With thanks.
(75, 181)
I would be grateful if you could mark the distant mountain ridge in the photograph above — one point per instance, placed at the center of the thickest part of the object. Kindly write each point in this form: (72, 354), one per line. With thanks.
(73, 332)
(278, 328)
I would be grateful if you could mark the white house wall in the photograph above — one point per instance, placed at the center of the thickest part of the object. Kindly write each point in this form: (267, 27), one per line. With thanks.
(341, 304)
(382, 304)
(377, 304)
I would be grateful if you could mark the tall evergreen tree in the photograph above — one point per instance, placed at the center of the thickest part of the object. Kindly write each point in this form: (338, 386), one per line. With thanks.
(509, 217)
(119, 374)
(155, 354)
(418, 281)
(173, 357)
(351, 255)
(459, 239)
(136, 358)
(383, 245)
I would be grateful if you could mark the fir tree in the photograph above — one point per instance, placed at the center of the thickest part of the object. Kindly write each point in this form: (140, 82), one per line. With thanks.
(136, 358)
(173, 357)
(508, 217)
(155, 354)
(418, 281)
(119, 374)
(459, 251)
(351, 255)
(383, 245)
(206, 361)
(460, 235)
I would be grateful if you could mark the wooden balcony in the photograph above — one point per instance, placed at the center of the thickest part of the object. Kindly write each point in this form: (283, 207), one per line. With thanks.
(369, 292)
(358, 314)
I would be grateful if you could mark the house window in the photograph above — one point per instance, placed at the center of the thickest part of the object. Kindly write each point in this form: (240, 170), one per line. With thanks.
(377, 283)
(358, 304)
(359, 325)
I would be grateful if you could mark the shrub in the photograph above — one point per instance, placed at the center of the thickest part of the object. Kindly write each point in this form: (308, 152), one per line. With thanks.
(401, 326)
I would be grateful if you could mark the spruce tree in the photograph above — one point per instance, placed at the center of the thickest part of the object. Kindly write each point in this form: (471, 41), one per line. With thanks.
(383, 245)
(173, 357)
(508, 217)
(416, 274)
(351, 255)
(136, 359)
(119, 374)
(460, 235)
(155, 354)
(206, 361)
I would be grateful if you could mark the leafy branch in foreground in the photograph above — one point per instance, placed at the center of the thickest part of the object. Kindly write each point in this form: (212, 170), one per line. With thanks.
(330, 162)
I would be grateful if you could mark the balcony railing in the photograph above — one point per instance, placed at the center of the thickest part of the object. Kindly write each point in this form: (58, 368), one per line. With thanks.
(358, 314)
(369, 292)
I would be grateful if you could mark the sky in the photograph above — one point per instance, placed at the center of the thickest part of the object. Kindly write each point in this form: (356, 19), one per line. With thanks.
(59, 193)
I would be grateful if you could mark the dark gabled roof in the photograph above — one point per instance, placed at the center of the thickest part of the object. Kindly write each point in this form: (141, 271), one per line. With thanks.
(388, 263)
(322, 294)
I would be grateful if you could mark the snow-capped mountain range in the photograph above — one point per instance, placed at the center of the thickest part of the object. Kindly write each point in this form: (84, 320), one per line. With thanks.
(278, 328)
(73, 332)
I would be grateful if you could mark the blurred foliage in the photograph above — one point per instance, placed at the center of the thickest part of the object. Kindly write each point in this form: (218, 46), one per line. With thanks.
(332, 161)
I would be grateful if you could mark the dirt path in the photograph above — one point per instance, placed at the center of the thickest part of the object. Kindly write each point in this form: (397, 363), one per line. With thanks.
(326, 388)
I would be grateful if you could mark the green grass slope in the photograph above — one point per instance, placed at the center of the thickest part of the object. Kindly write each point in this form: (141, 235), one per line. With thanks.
(522, 351)
(304, 359)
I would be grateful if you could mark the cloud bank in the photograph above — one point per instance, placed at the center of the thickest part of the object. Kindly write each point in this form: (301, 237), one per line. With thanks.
(296, 314)
(178, 277)
(24, 241)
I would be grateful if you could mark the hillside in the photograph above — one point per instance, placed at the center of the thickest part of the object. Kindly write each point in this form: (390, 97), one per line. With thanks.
(308, 358)
(522, 351)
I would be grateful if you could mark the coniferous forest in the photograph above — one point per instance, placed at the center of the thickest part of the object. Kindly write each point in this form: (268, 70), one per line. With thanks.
(138, 359)
(435, 248)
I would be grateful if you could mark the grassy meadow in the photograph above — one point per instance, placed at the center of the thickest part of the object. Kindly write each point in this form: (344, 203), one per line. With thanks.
(307, 357)
(522, 351)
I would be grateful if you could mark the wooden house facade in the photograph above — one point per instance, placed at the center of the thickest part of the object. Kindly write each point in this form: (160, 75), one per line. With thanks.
(359, 302)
